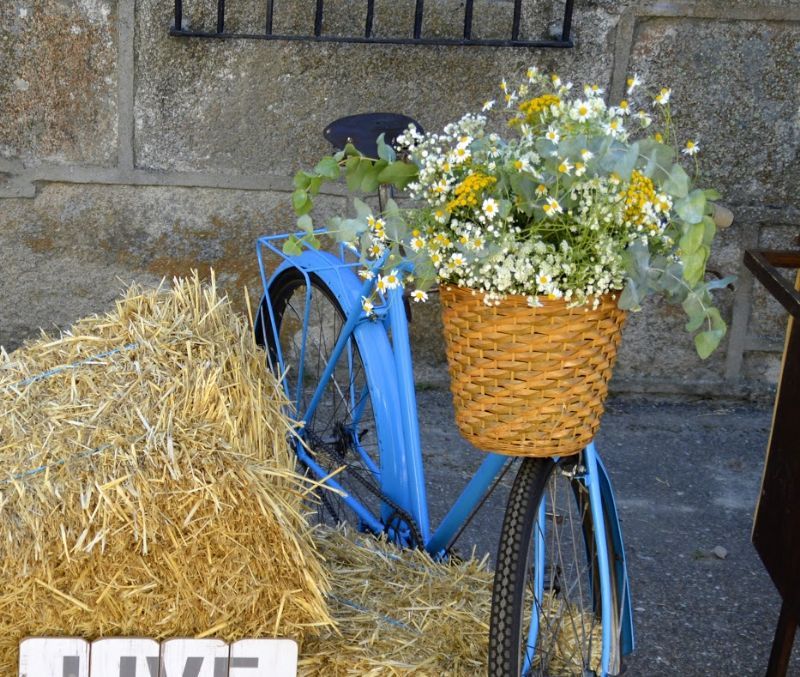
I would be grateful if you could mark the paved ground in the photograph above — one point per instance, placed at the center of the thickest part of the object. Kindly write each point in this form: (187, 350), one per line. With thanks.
(687, 478)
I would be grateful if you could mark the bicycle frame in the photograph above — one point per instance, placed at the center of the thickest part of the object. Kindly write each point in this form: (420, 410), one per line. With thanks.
(402, 472)
(392, 392)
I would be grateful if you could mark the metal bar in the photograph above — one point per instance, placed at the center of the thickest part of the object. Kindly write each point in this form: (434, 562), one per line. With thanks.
(761, 266)
(467, 500)
(370, 18)
(178, 14)
(270, 12)
(220, 16)
(404, 374)
(517, 17)
(468, 20)
(318, 18)
(540, 44)
(419, 11)
(567, 27)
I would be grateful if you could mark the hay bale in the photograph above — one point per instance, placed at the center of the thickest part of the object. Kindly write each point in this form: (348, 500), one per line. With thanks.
(146, 487)
(399, 612)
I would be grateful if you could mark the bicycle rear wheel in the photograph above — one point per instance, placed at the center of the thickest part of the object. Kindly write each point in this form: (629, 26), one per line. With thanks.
(546, 599)
(340, 437)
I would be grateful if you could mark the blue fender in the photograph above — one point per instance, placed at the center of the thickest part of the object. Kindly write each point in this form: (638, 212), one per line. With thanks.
(377, 357)
(627, 639)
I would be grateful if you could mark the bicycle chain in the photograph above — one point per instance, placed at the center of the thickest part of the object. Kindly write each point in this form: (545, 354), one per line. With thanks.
(416, 535)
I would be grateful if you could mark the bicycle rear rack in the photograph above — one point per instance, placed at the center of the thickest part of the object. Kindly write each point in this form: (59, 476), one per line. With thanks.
(368, 36)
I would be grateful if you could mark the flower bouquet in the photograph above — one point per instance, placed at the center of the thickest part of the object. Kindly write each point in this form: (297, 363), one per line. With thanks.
(540, 238)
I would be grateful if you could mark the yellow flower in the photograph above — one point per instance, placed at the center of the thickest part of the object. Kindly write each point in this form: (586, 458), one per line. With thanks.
(469, 189)
(534, 110)
(641, 193)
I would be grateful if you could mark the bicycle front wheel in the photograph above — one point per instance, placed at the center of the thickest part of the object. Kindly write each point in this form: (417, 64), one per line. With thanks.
(546, 600)
(340, 436)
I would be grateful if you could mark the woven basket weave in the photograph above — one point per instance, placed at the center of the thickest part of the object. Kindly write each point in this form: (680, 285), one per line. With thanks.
(528, 381)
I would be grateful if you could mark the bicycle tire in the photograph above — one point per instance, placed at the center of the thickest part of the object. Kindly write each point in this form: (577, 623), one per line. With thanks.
(569, 639)
(335, 439)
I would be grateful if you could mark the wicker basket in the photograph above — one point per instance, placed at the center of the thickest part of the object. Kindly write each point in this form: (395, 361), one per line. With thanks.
(528, 381)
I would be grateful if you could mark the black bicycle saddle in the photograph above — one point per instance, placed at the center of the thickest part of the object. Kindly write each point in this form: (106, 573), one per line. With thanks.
(363, 130)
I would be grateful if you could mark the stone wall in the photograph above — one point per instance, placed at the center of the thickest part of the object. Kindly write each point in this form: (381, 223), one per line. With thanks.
(127, 154)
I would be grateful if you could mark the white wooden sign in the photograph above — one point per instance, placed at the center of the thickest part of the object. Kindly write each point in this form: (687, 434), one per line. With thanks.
(139, 657)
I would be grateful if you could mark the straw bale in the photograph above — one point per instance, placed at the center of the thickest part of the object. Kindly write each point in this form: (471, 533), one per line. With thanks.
(399, 612)
(146, 486)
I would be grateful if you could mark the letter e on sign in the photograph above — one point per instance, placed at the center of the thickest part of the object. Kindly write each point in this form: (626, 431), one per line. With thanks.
(263, 658)
(53, 657)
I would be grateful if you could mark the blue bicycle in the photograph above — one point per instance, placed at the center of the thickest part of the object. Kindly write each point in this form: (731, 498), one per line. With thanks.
(561, 602)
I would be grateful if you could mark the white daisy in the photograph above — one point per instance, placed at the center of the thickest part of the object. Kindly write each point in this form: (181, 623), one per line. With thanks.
(633, 82)
(551, 208)
(419, 296)
(691, 148)
(662, 98)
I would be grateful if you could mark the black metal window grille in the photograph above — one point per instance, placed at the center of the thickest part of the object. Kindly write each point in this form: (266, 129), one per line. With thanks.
(514, 39)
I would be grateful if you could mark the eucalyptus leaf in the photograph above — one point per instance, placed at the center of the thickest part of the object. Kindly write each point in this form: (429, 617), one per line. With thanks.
(328, 167)
(694, 265)
(305, 223)
(363, 210)
(692, 207)
(351, 150)
(721, 283)
(637, 260)
(710, 230)
(301, 202)
(371, 180)
(658, 159)
(301, 180)
(292, 246)
(695, 310)
(716, 319)
(311, 240)
(356, 172)
(630, 299)
(677, 183)
(626, 163)
(399, 174)
(707, 342)
(385, 151)
(692, 238)
(348, 229)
